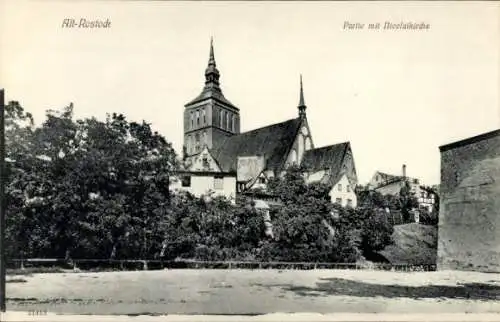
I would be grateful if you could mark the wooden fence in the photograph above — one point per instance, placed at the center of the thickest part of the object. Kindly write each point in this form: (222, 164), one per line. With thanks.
(117, 265)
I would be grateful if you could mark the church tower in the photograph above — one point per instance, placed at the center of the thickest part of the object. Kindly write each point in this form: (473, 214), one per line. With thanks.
(210, 117)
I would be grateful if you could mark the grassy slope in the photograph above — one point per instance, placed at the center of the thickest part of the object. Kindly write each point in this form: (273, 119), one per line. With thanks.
(413, 244)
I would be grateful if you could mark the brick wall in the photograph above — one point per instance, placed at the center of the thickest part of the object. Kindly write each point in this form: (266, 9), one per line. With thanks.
(469, 219)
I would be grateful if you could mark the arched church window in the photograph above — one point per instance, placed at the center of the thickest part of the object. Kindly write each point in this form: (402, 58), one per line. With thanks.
(308, 144)
(221, 118)
(204, 116)
(301, 147)
(227, 121)
(293, 156)
(197, 118)
(192, 120)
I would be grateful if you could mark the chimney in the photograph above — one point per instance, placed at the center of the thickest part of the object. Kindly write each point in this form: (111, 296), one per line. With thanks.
(404, 170)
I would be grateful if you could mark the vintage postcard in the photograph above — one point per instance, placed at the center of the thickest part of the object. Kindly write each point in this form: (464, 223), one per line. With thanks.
(249, 160)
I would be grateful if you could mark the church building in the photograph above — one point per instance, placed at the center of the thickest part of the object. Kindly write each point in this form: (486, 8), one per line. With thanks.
(221, 160)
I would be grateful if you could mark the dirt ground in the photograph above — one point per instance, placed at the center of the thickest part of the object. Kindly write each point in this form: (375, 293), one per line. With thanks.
(255, 292)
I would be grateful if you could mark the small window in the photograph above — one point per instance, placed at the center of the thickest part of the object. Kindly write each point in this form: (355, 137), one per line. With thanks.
(348, 188)
(203, 113)
(227, 121)
(349, 202)
(192, 120)
(234, 123)
(218, 183)
(198, 118)
(205, 162)
(338, 200)
(262, 180)
(186, 181)
(221, 118)
(197, 142)
(340, 187)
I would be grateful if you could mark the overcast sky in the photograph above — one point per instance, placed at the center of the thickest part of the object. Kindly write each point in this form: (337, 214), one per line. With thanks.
(395, 95)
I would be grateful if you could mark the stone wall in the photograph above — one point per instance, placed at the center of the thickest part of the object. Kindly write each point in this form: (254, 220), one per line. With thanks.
(469, 219)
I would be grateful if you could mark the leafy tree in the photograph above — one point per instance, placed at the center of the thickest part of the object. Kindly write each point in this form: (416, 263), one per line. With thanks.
(407, 201)
(86, 187)
(376, 232)
(301, 224)
(22, 177)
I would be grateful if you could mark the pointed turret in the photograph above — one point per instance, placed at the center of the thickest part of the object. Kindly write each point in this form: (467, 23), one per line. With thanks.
(211, 72)
(302, 105)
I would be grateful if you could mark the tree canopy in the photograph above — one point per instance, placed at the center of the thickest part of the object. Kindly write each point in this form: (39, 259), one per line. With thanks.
(89, 188)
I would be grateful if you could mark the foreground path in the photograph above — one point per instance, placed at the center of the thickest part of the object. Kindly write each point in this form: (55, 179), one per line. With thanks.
(256, 292)
(292, 317)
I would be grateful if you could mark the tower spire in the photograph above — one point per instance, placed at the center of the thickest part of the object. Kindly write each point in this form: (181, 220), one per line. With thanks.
(302, 105)
(211, 73)
(211, 58)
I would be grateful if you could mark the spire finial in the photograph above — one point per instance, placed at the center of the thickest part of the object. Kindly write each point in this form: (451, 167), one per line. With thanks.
(302, 104)
(301, 101)
(211, 59)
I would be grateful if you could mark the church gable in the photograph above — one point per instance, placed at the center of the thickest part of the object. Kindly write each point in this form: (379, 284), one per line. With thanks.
(203, 161)
(302, 142)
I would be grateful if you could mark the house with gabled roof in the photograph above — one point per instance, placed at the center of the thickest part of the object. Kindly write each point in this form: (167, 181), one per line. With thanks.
(390, 184)
(216, 149)
(334, 166)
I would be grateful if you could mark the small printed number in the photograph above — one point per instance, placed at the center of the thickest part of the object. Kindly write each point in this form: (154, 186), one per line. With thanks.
(37, 312)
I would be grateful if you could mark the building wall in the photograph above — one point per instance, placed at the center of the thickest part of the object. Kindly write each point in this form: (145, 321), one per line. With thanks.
(340, 191)
(426, 200)
(316, 176)
(203, 162)
(217, 137)
(395, 188)
(391, 189)
(215, 131)
(205, 184)
(469, 219)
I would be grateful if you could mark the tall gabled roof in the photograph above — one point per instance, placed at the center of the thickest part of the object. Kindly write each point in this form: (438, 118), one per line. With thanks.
(327, 158)
(273, 142)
